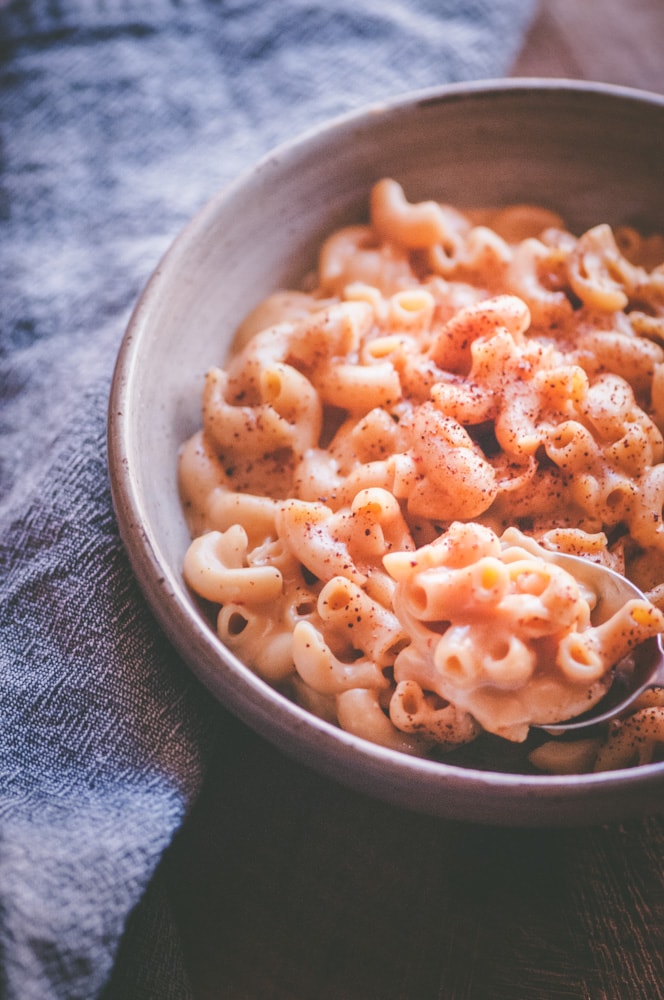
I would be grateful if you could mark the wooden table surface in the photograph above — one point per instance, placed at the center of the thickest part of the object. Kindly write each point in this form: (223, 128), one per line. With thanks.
(288, 887)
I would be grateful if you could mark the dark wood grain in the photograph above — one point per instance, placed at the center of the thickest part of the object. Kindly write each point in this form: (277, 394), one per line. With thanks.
(287, 887)
(612, 41)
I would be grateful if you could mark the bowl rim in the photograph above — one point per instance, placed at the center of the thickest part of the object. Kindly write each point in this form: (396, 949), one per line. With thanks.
(335, 752)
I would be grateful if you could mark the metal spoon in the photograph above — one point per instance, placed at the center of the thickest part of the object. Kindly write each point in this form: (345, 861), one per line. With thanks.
(645, 667)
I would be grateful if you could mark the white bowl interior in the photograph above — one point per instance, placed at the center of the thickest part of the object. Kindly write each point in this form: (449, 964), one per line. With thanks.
(594, 153)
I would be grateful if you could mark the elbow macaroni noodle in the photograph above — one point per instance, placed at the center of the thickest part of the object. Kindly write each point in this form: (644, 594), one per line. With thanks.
(386, 461)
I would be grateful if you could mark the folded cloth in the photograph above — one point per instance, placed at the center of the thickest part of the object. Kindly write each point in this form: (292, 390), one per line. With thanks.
(118, 121)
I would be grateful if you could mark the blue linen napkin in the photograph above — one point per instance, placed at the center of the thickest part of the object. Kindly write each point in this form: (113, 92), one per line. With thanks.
(118, 121)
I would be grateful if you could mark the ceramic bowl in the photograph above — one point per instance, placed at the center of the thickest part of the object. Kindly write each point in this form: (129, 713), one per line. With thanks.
(592, 152)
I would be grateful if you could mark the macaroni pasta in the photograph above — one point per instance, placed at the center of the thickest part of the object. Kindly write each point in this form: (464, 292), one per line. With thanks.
(387, 459)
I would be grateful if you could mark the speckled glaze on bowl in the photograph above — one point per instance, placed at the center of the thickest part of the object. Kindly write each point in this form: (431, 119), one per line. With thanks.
(593, 152)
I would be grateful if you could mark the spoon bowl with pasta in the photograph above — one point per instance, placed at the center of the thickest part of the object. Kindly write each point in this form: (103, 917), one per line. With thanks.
(645, 666)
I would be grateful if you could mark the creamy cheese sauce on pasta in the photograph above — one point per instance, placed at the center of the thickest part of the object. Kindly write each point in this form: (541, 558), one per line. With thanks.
(387, 457)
